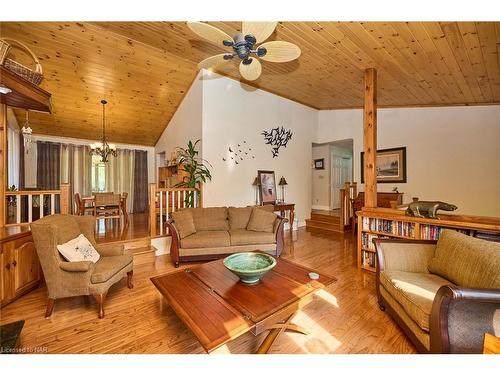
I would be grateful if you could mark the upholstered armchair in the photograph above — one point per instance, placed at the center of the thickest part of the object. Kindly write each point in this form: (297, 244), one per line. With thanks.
(444, 295)
(68, 279)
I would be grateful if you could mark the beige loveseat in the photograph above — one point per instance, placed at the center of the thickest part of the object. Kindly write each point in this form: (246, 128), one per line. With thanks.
(445, 295)
(214, 232)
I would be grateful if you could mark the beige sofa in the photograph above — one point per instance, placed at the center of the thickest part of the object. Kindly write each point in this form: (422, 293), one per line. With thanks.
(214, 232)
(444, 294)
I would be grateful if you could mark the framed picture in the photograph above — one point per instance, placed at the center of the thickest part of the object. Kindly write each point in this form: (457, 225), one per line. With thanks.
(391, 165)
(319, 163)
(267, 187)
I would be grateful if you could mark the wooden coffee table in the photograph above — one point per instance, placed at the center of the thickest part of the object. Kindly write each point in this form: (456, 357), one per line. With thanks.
(218, 308)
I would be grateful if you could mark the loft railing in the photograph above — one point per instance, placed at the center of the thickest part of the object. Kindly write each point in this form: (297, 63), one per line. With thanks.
(26, 206)
(164, 201)
(347, 195)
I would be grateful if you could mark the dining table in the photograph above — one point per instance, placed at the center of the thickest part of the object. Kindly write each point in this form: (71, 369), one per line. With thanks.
(91, 199)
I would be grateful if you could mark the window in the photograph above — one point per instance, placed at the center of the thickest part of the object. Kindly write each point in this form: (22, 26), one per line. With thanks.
(98, 174)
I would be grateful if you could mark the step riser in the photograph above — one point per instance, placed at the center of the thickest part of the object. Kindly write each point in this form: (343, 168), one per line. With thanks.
(323, 225)
(325, 218)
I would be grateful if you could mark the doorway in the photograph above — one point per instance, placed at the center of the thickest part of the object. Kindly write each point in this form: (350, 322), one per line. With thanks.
(340, 173)
(341, 159)
(335, 167)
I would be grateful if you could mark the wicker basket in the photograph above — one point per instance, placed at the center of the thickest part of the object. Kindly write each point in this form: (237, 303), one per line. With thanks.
(33, 76)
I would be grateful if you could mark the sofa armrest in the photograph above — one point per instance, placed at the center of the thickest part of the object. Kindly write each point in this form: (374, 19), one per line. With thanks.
(404, 255)
(107, 250)
(460, 317)
(83, 266)
(280, 235)
(175, 243)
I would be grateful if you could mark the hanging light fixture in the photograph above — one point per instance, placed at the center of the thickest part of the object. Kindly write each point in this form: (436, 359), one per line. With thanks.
(103, 149)
(27, 131)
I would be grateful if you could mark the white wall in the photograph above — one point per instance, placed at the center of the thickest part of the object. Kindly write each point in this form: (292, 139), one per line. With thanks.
(321, 178)
(234, 113)
(185, 125)
(30, 159)
(453, 153)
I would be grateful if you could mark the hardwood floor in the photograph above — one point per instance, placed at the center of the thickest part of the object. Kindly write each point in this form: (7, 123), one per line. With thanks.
(344, 318)
(113, 230)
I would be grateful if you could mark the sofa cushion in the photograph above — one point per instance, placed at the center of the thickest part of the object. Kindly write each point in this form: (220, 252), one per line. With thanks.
(467, 261)
(261, 221)
(266, 207)
(107, 267)
(184, 223)
(239, 217)
(414, 291)
(248, 237)
(210, 218)
(212, 238)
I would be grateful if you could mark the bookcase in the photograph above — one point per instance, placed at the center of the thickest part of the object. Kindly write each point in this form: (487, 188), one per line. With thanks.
(393, 223)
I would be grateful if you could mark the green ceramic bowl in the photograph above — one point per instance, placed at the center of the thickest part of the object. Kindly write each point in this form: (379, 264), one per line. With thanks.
(249, 267)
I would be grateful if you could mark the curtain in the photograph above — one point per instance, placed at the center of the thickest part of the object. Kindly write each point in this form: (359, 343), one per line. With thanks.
(141, 181)
(76, 170)
(21, 161)
(13, 146)
(120, 175)
(48, 175)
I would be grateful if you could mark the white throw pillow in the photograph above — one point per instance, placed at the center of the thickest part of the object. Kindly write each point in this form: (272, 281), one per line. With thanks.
(78, 249)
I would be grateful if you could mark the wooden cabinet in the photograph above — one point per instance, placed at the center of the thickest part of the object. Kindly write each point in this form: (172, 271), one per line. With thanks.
(20, 268)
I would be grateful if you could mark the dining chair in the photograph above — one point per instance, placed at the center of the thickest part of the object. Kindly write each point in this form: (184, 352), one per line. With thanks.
(82, 207)
(107, 205)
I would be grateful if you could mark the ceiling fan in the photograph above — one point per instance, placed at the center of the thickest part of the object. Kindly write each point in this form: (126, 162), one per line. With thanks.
(245, 48)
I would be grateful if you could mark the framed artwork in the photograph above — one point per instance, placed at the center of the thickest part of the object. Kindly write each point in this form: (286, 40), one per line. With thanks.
(391, 165)
(267, 187)
(319, 163)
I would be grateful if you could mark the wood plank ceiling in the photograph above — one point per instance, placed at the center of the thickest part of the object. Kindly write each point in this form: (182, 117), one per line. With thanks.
(144, 69)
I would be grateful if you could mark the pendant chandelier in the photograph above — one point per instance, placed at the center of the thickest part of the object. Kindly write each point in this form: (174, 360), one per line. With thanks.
(26, 131)
(103, 148)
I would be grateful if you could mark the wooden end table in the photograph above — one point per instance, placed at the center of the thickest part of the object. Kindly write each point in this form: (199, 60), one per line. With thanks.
(282, 208)
(217, 307)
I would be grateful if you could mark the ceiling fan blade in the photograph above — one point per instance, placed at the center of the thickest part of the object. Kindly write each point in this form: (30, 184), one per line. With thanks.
(260, 30)
(251, 71)
(280, 51)
(209, 32)
(213, 61)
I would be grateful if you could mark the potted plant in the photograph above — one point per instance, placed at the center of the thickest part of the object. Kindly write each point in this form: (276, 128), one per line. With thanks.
(195, 168)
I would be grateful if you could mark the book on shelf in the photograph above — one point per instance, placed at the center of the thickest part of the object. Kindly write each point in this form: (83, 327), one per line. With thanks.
(367, 240)
(432, 232)
(369, 259)
(396, 227)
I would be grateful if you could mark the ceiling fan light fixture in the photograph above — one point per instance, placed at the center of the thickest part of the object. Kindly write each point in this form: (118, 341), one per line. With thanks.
(243, 45)
(261, 51)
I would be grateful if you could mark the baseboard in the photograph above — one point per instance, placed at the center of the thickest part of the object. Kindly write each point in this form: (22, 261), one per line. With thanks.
(162, 245)
(322, 208)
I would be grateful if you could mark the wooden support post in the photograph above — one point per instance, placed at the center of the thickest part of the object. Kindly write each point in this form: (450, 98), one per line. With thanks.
(370, 137)
(152, 210)
(3, 162)
(65, 200)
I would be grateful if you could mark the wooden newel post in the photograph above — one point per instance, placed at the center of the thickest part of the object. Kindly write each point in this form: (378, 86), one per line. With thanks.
(370, 137)
(65, 199)
(152, 210)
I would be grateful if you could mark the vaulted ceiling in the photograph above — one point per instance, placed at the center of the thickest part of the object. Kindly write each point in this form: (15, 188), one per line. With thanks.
(144, 69)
